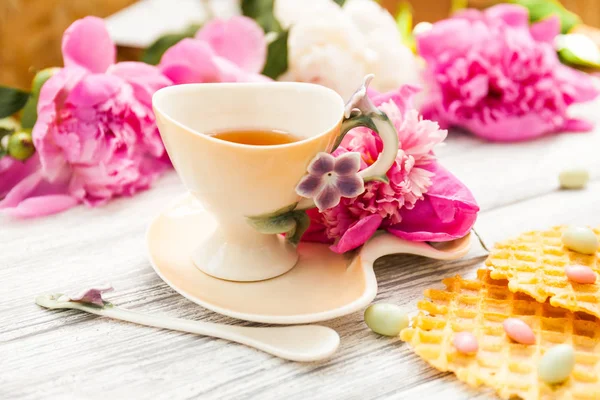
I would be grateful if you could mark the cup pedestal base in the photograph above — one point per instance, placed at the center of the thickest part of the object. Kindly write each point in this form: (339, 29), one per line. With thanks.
(249, 257)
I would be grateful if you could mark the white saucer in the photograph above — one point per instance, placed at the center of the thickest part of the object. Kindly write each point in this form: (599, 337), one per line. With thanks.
(323, 285)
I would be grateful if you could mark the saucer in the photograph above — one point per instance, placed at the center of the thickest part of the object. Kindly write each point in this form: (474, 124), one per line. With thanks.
(322, 286)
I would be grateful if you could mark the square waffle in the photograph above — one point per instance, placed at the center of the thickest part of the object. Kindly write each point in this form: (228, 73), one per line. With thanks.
(480, 306)
(534, 263)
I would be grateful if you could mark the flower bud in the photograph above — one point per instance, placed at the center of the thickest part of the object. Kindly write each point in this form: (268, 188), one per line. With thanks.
(20, 145)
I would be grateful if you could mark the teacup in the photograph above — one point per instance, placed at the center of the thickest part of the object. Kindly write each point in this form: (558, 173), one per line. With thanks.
(236, 181)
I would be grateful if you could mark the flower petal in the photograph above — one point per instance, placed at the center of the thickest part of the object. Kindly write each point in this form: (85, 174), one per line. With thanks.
(310, 185)
(350, 185)
(238, 39)
(41, 206)
(577, 125)
(321, 164)
(231, 72)
(145, 79)
(92, 295)
(358, 234)
(94, 89)
(328, 197)
(512, 14)
(447, 212)
(403, 97)
(546, 29)
(86, 43)
(347, 163)
(190, 61)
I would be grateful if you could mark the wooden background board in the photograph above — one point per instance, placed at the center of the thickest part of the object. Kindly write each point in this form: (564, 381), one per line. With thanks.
(71, 355)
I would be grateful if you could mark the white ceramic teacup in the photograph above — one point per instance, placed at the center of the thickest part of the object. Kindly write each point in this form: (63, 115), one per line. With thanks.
(233, 180)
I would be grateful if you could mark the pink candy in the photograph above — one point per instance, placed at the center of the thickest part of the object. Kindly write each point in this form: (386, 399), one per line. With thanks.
(518, 331)
(465, 342)
(580, 274)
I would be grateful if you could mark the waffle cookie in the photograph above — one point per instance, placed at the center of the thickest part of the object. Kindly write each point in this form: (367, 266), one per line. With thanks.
(534, 263)
(480, 306)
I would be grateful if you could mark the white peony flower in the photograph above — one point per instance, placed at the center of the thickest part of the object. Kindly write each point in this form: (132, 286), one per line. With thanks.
(337, 47)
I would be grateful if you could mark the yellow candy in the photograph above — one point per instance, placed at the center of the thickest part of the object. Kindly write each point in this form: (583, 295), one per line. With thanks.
(576, 178)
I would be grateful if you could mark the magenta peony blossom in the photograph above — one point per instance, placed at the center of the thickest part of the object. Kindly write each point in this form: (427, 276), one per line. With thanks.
(232, 50)
(95, 135)
(421, 202)
(494, 75)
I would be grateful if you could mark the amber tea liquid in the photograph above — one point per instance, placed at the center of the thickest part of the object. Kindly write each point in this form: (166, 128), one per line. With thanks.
(257, 137)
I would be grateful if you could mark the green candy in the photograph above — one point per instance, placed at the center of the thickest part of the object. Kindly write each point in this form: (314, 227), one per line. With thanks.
(556, 364)
(580, 239)
(386, 319)
(20, 145)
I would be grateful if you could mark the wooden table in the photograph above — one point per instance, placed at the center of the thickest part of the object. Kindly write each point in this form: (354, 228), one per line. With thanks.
(70, 355)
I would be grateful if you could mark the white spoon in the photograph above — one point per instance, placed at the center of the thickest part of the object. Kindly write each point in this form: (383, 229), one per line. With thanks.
(296, 343)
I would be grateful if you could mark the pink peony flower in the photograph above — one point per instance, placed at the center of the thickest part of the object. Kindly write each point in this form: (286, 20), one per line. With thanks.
(95, 135)
(494, 75)
(421, 202)
(232, 50)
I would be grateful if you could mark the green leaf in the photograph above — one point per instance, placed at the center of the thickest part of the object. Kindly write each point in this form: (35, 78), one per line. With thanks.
(302, 223)
(279, 224)
(340, 2)
(11, 100)
(277, 56)
(155, 51)
(30, 111)
(540, 9)
(262, 12)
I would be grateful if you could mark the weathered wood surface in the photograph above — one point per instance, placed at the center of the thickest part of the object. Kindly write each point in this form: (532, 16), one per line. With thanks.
(69, 355)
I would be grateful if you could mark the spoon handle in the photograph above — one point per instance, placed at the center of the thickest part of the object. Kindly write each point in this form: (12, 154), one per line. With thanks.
(296, 343)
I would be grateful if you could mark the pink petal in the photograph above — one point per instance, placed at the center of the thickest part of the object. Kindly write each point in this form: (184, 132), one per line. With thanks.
(514, 15)
(14, 171)
(41, 206)
(94, 89)
(402, 97)
(358, 234)
(239, 40)
(328, 197)
(86, 43)
(510, 128)
(316, 231)
(578, 125)
(145, 79)
(22, 190)
(50, 155)
(55, 90)
(190, 61)
(230, 72)
(546, 29)
(92, 295)
(447, 212)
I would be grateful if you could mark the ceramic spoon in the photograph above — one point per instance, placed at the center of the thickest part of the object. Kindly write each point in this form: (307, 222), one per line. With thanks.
(296, 343)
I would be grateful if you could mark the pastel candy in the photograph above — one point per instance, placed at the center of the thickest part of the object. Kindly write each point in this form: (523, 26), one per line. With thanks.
(580, 274)
(575, 178)
(580, 239)
(556, 364)
(518, 331)
(386, 319)
(465, 342)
